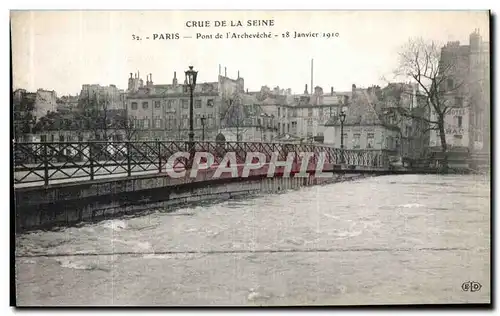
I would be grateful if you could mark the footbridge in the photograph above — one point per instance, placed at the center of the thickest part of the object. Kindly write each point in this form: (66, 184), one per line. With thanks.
(43, 164)
(59, 183)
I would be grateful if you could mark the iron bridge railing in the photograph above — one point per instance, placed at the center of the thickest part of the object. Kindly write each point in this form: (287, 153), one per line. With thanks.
(51, 162)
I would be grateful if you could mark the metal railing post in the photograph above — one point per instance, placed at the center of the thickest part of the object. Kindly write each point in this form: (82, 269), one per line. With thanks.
(129, 169)
(91, 161)
(45, 164)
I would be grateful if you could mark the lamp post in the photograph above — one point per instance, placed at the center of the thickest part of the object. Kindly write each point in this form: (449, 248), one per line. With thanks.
(342, 120)
(191, 82)
(203, 118)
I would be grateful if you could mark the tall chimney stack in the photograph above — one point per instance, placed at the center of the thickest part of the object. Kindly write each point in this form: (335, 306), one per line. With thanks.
(220, 71)
(312, 75)
(238, 74)
(332, 92)
(225, 71)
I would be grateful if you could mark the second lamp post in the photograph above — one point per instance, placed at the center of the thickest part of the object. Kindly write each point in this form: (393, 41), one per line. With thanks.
(342, 120)
(203, 118)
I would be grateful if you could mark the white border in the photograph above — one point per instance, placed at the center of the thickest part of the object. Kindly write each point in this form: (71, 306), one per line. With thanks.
(186, 4)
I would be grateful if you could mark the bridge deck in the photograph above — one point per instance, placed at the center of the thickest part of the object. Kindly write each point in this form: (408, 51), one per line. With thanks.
(38, 164)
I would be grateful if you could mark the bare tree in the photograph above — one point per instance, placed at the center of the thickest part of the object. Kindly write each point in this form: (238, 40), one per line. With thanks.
(423, 63)
(129, 128)
(231, 114)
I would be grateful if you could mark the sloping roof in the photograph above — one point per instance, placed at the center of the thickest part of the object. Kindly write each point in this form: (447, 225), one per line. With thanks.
(244, 106)
(362, 110)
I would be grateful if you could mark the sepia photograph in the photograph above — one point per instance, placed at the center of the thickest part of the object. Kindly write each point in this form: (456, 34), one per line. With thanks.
(250, 158)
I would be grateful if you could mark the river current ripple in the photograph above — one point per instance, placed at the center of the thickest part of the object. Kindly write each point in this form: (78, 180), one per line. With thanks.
(408, 239)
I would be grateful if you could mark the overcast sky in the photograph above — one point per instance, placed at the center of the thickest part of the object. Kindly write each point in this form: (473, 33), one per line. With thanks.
(61, 50)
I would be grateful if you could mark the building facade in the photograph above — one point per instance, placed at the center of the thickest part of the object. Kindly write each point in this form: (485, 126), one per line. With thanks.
(104, 97)
(366, 126)
(466, 90)
(161, 111)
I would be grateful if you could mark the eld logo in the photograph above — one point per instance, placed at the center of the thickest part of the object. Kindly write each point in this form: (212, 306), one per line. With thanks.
(471, 286)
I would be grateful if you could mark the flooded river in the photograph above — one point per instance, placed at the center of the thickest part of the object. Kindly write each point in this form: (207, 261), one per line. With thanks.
(382, 240)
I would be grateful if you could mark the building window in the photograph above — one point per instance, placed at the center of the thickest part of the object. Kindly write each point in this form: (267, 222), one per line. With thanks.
(157, 122)
(145, 105)
(320, 112)
(310, 112)
(309, 122)
(459, 102)
(355, 141)
(210, 103)
(449, 83)
(169, 104)
(408, 131)
(288, 128)
(459, 121)
(457, 140)
(134, 106)
(210, 119)
(370, 137)
(146, 123)
(184, 104)
(197, 104)
(157, 104)
(279, 112)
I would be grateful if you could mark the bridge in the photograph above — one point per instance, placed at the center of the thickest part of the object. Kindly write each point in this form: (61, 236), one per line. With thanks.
(60, 183)
(42, 164)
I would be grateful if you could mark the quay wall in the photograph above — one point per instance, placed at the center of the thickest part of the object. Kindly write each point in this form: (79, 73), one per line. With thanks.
(69, 204)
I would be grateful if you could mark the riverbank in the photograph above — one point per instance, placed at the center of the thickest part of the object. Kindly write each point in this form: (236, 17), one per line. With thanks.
(55, 214)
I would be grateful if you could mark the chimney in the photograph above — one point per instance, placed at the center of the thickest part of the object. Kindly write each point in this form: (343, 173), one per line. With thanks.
(332, 91)
(305, 91)
(225, 72)
(151, 78)
(131, 76)
(247, 90)
(174, 81)
(238, 74)
(219, 69)
(312, 75)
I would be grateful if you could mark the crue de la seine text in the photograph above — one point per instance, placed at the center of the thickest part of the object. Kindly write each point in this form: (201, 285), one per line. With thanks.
(203, 33)
(231, 23)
